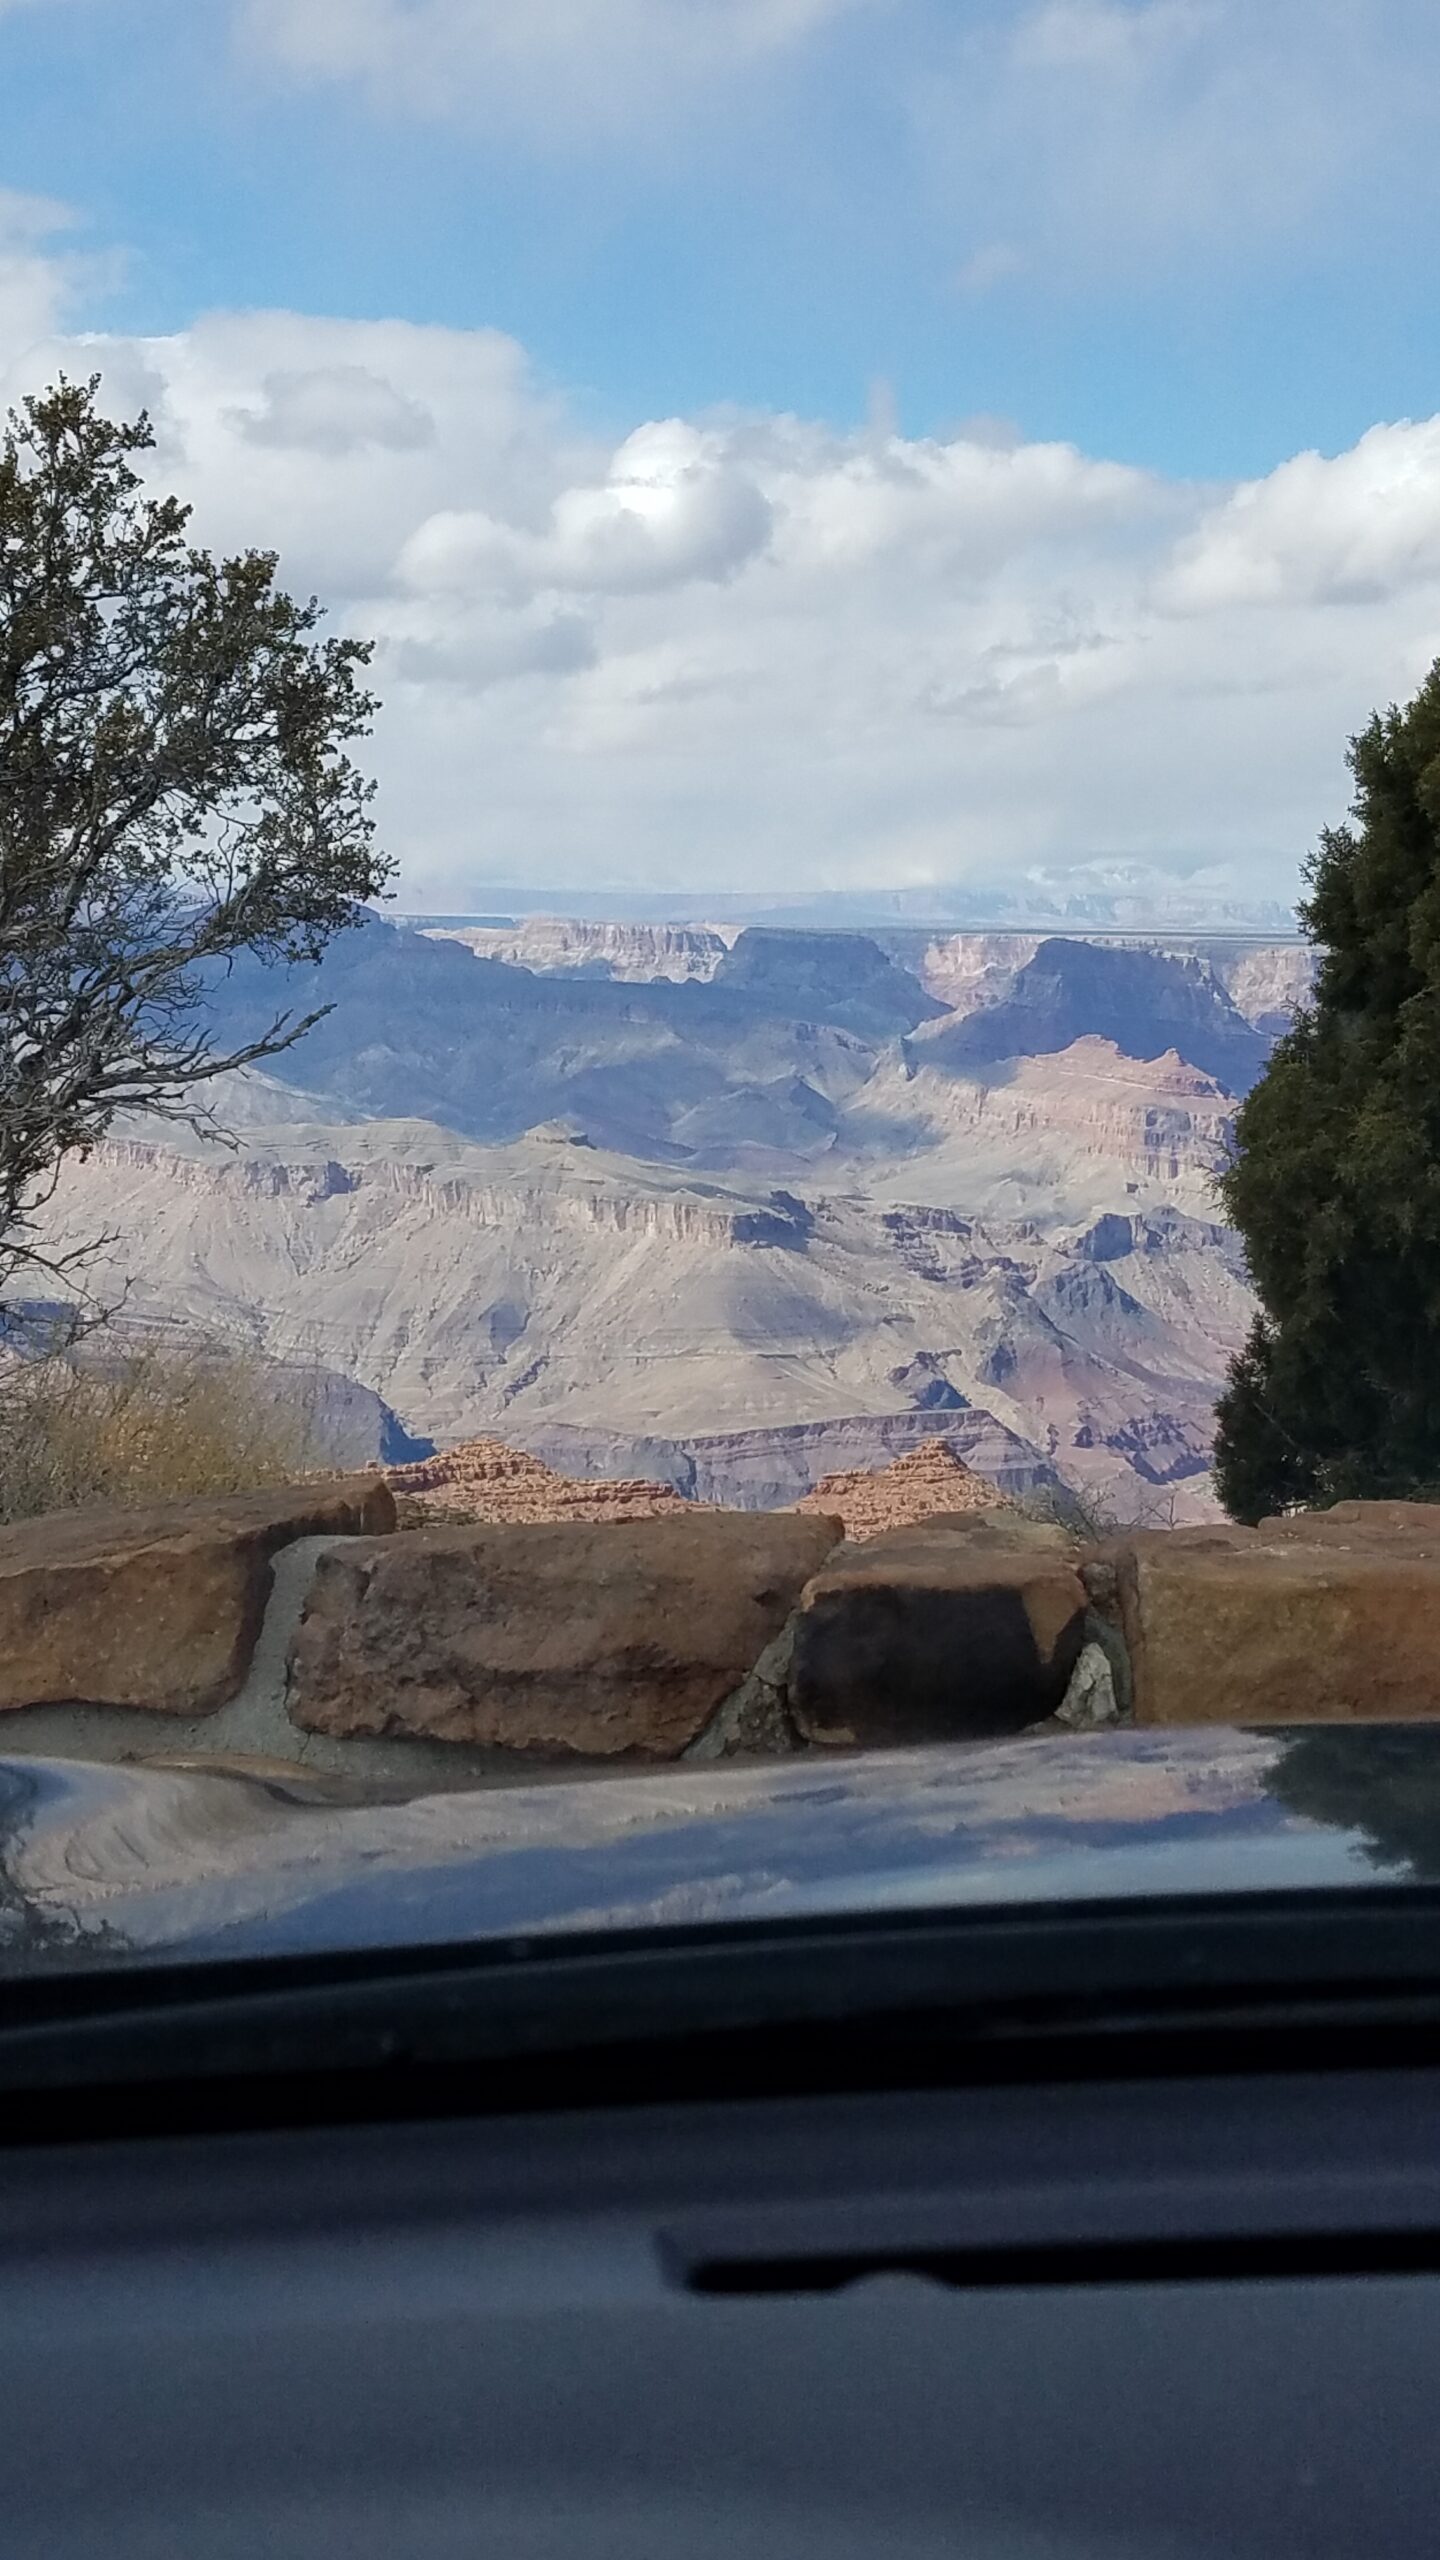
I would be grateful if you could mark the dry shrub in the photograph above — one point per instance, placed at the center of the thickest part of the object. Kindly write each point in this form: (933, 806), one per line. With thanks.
(144, 1426)
(1093, 1517)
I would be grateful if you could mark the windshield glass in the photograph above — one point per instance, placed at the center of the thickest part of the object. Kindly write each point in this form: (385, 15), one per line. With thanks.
(718, 1164)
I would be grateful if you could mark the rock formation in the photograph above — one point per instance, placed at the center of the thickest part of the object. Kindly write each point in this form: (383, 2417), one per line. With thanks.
(485, 1480)
(775, 1465)
(555, 945)
(962, 969)
(1268, 984)
(549, 1289)
(794, 1197)
(1033, 1124)
(1264, 981)
(842, 978)
(488, 1480)
(1321, 1617)
(943, 1630)
(925, 1482)
(1145, 1002)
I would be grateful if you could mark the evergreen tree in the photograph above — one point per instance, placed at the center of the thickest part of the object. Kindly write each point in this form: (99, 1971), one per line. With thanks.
(1335, 1183)
(175, 788)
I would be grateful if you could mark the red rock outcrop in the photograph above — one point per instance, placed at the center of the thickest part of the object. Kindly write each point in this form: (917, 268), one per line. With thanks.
(485, 1480)
(923, 1485)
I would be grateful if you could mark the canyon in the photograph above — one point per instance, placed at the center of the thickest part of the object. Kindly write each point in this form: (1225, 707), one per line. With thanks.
(724, 1213)
(1265, 981)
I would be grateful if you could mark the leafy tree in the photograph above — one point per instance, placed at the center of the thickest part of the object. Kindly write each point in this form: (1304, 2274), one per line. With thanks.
(174, 789)
(1335, 1182)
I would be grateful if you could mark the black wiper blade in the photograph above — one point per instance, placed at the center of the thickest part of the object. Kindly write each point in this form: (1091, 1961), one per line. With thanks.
(951, 1983)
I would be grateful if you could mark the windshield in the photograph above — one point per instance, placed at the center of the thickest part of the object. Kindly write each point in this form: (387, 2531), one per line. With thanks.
(718, 1164)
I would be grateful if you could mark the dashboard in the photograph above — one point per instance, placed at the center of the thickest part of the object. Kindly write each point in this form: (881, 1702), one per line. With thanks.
(1036, 2322)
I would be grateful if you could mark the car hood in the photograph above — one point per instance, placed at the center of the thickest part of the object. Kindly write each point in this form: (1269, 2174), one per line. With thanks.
(172, 1860)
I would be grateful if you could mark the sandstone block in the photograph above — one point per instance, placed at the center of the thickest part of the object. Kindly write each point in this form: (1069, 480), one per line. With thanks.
(959, 1627)
(550, 1638)
(157, 1607)
(1299, 1621)
(1384, 1525)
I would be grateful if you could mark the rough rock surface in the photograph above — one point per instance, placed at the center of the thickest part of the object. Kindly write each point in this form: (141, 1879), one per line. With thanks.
(550, 1639)
(1323, 1616)
(957, 1628)
(485, 1480)
(1264, 980)
(923, 1483)
(1412, 1525)
(160, 1607)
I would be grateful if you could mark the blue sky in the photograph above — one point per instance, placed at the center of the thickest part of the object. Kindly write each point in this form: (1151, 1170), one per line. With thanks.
(807, 234)
(1193, 239)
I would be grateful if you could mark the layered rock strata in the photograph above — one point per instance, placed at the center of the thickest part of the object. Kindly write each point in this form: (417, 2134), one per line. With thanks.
(486, 1480)
(927, 1481)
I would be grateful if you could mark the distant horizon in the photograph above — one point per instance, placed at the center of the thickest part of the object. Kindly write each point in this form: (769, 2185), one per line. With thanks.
(876, 909)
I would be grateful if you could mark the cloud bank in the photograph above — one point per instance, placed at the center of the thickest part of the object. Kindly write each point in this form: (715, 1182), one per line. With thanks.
(748, 651)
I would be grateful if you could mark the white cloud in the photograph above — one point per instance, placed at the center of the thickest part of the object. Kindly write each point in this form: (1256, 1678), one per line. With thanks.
(476, 643)
(673, 506)
(317, 482)
(1359, 529)
(559, 65)
(750, 650)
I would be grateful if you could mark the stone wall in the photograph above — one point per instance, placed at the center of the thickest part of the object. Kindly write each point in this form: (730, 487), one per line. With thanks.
(305, 1626)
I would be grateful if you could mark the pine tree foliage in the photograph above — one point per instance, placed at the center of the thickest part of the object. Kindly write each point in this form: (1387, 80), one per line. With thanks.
(1335, 1182)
